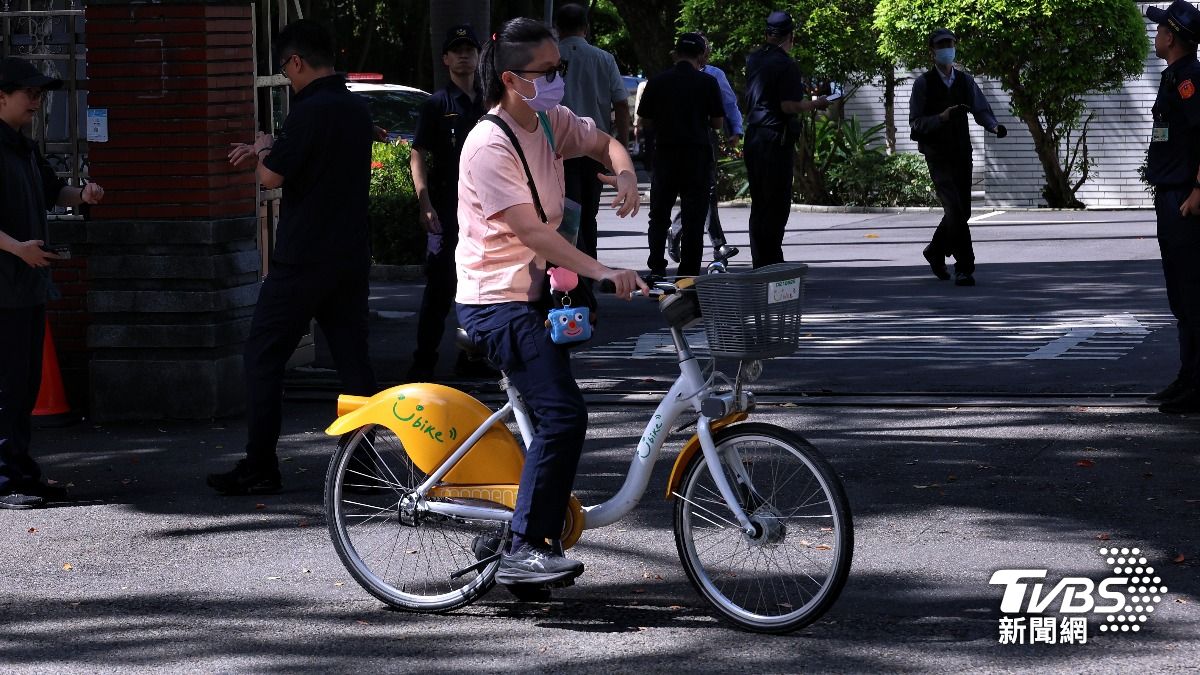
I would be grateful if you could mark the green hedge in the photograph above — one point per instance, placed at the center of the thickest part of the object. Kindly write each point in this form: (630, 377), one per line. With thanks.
(397, 237)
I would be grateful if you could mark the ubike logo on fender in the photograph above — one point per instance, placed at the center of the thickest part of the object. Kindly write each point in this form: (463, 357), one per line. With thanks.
(1125, 600)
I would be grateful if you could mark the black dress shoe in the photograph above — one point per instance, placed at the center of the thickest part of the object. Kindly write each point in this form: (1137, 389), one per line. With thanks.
(963, 279)
(1172, 390)
(247, 479)
(1185, 404)
(936, 262)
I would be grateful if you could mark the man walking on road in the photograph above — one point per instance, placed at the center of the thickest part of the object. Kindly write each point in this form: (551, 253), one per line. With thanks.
(682, 105)
(1173, 168)
(594, 89)
(937, 113)
(322, 257)
(445, 119)
(775, 93)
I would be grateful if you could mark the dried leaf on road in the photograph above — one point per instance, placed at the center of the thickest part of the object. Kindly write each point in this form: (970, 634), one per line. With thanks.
(67, 567)
(32, 530)
(1103, 536)
(639, 590)
(260, 506)
(1179, 559)
(823, 547)
(1085, 463)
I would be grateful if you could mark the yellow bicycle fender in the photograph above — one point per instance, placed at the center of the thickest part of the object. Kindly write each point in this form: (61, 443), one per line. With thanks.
(692, 447)
(432, 421)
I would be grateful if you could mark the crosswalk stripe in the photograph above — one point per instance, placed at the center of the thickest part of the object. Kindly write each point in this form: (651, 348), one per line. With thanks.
(1060, 336)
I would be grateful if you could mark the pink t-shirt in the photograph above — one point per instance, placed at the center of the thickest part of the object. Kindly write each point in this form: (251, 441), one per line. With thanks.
(494, 266)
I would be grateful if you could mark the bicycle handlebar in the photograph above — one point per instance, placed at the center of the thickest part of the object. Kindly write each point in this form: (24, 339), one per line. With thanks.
(657, 286)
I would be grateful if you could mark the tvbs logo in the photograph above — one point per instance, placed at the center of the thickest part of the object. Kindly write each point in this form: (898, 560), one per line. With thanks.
(1125, 599)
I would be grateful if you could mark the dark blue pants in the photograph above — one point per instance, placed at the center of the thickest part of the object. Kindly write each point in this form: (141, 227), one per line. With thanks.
(951, 176)
(291, 297)
(22, 330)
(770, 157)
(517, 341)
(1179, 244)
(683, 172)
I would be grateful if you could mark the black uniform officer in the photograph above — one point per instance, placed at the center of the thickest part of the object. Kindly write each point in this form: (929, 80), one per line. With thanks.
(321, 264)
(937, 113)
(775, 92)
(1172, 165)
(682, 104)
(446, 118)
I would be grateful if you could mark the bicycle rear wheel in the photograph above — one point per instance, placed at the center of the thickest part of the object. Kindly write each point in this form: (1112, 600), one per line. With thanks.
(789, 573)
(398, 552)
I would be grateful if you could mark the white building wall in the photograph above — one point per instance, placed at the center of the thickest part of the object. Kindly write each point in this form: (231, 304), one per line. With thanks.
(1008, 172)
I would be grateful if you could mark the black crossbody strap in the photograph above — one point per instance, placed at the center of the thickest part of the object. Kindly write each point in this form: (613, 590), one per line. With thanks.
(537, 203)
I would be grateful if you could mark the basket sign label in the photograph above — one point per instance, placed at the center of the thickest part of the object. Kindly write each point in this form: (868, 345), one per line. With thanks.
(782, 291)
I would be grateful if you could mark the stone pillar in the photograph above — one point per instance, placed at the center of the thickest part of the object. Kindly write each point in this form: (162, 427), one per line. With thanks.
(173, 264)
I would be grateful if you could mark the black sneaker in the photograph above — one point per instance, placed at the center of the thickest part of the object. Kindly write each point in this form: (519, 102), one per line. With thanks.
(1174, 389)
(44, 490)
(1187, 403)
(247, 479)
(20, 501)
(937, 263)
(964, 279)
(531, 565)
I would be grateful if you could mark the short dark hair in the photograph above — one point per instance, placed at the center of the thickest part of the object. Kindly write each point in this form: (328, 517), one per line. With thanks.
(510, 47)
(309, 39)
(571, 18)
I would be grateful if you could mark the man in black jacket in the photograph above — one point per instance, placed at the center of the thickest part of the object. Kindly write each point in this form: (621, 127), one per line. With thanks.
(322, 258)
(937, 113)
(682, 104)
(28, 186)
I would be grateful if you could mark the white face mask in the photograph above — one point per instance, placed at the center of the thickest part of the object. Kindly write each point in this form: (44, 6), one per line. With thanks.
(546, 95)
(944, 56)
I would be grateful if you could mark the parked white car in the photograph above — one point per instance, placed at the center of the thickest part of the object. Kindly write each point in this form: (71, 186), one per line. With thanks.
(394, 107)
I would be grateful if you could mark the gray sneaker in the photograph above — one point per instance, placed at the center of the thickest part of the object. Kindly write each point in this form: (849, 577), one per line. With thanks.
(531, 565)
(19, 501)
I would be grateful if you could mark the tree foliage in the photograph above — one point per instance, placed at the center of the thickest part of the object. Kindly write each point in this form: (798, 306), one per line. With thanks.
(1047, 54)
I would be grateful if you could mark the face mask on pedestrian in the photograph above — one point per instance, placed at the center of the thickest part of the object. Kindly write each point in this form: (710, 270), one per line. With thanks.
(944, 56)
(546, 93)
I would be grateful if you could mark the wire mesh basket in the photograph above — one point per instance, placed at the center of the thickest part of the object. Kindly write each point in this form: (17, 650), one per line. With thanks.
(753, 315)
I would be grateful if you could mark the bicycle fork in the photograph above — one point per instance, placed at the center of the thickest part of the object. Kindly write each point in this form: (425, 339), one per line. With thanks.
(713, 458)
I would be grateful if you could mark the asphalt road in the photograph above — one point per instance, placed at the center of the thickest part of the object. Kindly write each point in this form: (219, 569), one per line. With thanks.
(974, 429)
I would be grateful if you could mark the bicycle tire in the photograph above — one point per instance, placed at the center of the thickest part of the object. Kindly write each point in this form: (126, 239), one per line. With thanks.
(405, 565)
(810, 521)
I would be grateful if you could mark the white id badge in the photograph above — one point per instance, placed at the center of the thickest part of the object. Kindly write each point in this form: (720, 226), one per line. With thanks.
(1159, 135)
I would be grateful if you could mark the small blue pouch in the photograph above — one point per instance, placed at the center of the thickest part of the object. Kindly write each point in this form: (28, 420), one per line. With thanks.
(569, 324)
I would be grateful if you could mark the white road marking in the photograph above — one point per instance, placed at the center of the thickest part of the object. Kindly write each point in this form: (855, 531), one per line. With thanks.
(990, 337)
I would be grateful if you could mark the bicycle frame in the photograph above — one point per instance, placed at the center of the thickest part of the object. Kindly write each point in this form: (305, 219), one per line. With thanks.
(689, 391)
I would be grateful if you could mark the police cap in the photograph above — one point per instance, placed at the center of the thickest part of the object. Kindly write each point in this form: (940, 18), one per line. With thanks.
(690, 45)
(941, 34)
(780, 23)
(1181, 17)
(15, 72)
(462, 34)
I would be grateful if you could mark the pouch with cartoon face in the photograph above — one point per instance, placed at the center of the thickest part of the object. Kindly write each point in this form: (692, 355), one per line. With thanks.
(569, 324)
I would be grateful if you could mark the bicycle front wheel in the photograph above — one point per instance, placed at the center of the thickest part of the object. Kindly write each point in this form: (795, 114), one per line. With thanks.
(400, 553)
(791, 571)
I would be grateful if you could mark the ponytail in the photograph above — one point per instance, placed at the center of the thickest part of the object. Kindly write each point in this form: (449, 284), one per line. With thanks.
(510, 47)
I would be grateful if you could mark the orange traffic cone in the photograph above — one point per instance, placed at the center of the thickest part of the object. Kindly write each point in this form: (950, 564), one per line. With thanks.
(51, 407)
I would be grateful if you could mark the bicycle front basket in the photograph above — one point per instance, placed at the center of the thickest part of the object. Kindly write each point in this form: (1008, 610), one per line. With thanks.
(753, 315)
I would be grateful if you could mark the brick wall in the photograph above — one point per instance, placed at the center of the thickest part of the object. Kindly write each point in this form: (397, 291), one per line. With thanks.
(180, 81)
(1008, 172)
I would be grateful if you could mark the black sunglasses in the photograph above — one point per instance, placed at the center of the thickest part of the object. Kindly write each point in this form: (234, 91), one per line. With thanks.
(284, 62)
(550, 73)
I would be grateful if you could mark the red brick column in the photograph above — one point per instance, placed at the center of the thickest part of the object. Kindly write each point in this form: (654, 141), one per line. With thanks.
(172, 268)
(178, 80)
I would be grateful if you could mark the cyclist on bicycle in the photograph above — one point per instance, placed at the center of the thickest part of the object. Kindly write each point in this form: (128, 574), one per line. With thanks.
(510, 208)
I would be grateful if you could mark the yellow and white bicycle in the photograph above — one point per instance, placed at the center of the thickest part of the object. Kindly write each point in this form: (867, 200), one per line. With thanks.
(420, 492)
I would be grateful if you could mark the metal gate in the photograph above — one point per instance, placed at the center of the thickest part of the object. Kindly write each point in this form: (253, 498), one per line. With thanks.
(49, 34)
